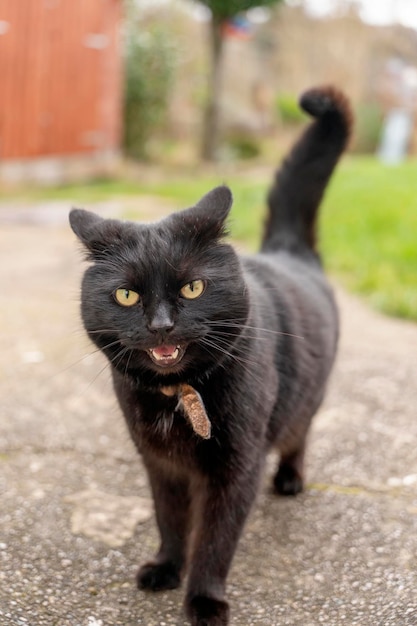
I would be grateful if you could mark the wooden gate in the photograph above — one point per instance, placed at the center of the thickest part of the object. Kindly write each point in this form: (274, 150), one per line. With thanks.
(60, 77)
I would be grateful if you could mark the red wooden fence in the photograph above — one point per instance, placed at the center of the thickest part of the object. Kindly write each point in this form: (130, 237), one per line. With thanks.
(60, 77)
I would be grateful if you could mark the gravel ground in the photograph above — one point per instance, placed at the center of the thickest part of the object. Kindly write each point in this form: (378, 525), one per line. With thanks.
(76, 517)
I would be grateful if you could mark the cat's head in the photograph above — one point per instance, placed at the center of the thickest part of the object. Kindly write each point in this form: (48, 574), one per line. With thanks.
(167, 299)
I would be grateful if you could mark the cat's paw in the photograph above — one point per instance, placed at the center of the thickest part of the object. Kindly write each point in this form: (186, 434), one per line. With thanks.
(287, 481)
(204, 611)
(158, 576)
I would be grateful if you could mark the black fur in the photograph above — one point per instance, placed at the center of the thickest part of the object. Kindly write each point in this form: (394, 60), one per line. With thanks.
(258, 345)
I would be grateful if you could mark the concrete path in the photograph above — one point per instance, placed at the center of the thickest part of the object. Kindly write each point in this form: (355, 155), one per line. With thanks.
(75, 514)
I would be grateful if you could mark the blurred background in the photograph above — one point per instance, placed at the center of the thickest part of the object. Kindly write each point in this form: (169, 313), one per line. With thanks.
(104, 99)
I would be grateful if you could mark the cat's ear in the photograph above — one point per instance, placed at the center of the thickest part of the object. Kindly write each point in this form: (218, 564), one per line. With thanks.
(83, 223)
(208, 217)
(217, 203)
(95, 232)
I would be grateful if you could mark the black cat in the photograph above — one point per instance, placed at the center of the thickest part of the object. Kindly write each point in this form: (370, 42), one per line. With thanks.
(216, 357)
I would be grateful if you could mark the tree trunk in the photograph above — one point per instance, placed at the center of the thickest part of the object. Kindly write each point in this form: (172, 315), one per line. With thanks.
(212, 111)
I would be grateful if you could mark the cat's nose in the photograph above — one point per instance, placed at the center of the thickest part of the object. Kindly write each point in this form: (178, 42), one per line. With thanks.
(161, 322)
(161, 329)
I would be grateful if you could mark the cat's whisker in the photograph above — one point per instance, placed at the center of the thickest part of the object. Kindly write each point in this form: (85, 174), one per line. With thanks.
(116, 359)
(83, 358)
(127, 362)
(105, 367)
(99, 373)
(111, 344)
(223, 333)
(246, 365)
(239, 351)
(256, 328)
(91, 354)
(223, 350)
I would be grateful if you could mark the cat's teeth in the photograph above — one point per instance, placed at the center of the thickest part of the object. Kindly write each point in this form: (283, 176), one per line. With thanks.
(166, 355)
(163, 357)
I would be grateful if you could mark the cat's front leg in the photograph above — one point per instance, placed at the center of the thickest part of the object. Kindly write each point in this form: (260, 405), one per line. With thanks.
(172, 504)
(219, 517)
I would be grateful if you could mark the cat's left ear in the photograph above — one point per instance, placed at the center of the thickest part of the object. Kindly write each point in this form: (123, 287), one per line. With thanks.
(207, 218)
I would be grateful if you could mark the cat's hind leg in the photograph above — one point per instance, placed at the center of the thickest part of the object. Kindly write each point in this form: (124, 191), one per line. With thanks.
(172, 505)
(289, 478)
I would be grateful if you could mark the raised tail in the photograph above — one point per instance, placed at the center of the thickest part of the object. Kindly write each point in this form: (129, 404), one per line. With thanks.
(301, 181)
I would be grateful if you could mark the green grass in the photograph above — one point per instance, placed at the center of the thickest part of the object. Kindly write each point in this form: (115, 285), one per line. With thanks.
(369, 233)
(368, 226)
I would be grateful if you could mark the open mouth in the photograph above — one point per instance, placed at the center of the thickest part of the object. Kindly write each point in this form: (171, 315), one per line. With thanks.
(166, 356)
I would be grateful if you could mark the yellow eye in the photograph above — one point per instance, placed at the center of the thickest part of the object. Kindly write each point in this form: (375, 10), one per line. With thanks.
(126, 297)
(193, 290)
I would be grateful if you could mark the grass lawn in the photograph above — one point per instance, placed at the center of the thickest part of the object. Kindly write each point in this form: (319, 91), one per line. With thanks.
(368, 233)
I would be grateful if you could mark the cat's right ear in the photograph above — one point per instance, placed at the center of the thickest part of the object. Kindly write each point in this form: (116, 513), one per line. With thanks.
(83, 223)
(95, 232)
